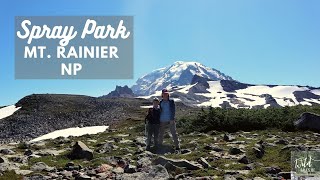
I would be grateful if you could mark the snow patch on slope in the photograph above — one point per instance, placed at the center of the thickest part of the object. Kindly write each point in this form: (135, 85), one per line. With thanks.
(72, 132)
(254, 96)
(316, 91)
(8, 111)
(251, 96)
(278, 92)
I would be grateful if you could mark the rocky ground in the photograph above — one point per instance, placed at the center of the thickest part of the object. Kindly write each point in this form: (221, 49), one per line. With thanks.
(119, 153)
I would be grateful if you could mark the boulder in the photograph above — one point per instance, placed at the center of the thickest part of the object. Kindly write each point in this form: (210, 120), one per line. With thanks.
(284, 175)
(20, 159)
(22, 172)
(272, 170)
(183, 176)
(118, 170)
(37, 176)
(144, 162)
(28, 152)
(282, 141)
(82, 177)
(81, 151)
(122, 163)
(107, 148)
(249, 166)
(141, 141)
(7, 166)
(185, 151)
(258, 178)
(90, 172)
(236, 172)
(308, 121)
(172, 168)
(41, 166)
(102, 175)
(213, 147)
(47, 152)
(130, 169)
(114, 161)
(238, 142)
(104, 168)
(179, 163)
(66, 174)
(3, 160)
(243, 159)
(229, 177)
(157, 172)
(70, 166)
(228, 137)
(204, 178)
(6, 151)
(235, 151)
(204, 163)
(258, 151)
(292, 147)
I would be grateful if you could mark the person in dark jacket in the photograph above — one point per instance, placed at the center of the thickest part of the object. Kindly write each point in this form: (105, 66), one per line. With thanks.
(152, 121)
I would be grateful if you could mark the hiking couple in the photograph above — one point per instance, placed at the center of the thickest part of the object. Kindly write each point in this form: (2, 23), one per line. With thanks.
(161, 117)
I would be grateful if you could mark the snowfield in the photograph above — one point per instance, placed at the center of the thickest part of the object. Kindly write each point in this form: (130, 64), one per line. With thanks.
(8, 111)
(278, 92)
(316, 91)
(146, 107)
(72, 132)
(252, 96)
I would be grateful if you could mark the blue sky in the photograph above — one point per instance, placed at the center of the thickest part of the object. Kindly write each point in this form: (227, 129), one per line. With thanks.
(262, 42)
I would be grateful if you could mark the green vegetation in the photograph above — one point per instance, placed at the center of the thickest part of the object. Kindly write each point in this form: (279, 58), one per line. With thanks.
(195, 141)
(10, 175)
(232, 120)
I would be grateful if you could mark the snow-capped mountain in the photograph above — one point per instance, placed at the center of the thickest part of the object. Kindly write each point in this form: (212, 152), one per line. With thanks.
(178, 74)
(197, 85)
(229, 93)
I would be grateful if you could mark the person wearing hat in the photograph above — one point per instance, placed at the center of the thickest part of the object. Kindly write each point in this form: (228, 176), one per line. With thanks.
(167, 118)
(152, 122)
